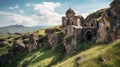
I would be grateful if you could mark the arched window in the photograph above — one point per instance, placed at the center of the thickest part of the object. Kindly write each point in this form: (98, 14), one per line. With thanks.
(85, 25)
(107, 28)
(89, 36)
(92, 25)
(65, 31)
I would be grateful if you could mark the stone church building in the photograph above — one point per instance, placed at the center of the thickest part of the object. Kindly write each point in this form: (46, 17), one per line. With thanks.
(103, 28)
(74, 26)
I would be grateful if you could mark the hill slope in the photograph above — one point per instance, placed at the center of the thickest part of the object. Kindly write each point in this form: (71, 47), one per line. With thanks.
(91, 57)
(89, 53)
(8, 30)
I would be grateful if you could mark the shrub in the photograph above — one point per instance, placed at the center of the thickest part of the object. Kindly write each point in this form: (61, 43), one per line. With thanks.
(68, 37)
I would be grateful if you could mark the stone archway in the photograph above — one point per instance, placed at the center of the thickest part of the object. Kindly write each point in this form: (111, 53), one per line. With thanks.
(88, 36)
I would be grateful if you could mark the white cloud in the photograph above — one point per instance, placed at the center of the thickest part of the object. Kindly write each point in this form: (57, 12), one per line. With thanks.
(11, 7)
(90, 8)
(12, 18)
(28, 4)
(84, 14)
(14, 7)
(87, 13)
(21, 11)
(45, 15)
(46, 7)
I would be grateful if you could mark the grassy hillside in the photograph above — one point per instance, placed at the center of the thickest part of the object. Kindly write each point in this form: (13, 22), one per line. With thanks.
(38, 58)
(3, 50)
(9, 30)
(89, 52)
(111, 53)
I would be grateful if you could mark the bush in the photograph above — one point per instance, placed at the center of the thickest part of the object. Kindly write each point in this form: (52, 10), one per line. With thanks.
(60, 34)
(68, 37)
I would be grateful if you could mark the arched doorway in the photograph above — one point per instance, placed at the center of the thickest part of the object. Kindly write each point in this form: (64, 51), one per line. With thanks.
(89, 36)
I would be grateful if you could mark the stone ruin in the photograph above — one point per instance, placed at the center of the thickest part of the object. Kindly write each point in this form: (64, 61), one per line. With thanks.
(53, 37)
(17, 47)
(74, 28)
(4, 42)
(103, 29)
(33, 42)
(102, 26)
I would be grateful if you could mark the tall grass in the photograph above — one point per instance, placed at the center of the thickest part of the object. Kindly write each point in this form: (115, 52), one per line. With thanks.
(111, 53)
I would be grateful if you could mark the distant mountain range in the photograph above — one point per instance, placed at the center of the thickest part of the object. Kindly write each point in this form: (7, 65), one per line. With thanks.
(8, 30)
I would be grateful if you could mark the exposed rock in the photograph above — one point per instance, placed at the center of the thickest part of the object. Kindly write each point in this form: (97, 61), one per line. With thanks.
(103, 29)
(108, 29)
(33, 42)
(4, 43)
(17, 33)
(69, 48)
(53, 37)
(51, 31)
(53, 40)
(102, 59)
(118, 27)
(26, 41)
(25, 37)
(115, 8)
(3, 39)
(78, 60)
(43, 40)
(17, 47)
(70, 51)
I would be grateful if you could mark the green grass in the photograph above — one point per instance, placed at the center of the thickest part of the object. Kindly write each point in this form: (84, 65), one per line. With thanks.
(42, 32)
(111, 52)
(43, 57)
(4, 50)
(47, 57)
(89, 51)
(68, 37)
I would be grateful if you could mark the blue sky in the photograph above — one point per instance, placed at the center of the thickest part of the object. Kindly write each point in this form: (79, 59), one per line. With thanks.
(44, 12)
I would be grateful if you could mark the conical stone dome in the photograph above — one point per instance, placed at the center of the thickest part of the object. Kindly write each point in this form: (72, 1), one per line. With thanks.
(70, 13)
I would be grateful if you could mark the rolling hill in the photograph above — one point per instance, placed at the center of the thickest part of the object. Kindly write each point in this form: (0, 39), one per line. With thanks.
(88, 52)
(8, 30)
(49, 47)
